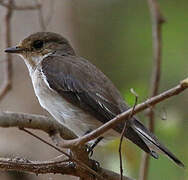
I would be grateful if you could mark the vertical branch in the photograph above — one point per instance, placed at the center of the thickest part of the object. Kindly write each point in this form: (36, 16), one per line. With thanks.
(123, 133)
(157, 21)
(8, 59)
(44, 22)
(41, 19)
(10, 7)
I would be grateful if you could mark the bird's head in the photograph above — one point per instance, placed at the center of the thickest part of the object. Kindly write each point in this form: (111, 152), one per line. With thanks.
(37, 46)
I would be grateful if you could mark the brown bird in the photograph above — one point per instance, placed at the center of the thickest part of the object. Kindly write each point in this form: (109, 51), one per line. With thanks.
(77, 94)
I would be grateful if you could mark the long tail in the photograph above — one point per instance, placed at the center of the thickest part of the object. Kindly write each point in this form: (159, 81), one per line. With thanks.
(141, 136)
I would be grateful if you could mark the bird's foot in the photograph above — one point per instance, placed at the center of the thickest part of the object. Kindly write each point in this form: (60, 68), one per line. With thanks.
(95, 165)
(91, 147)
(71, 164)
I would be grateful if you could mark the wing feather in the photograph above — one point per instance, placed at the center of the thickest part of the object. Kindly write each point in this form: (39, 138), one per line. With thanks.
(76, 83)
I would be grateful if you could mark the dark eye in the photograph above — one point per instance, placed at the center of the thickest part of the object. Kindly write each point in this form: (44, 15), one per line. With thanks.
(38, 44)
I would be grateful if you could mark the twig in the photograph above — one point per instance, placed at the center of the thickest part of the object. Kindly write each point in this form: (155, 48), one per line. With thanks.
(8, 62)
(123, 132)
(157, 21)
(44, 22)
(64, 153)
(48, 125)
(140, 107)
(41, 19)
(20, 8)
(50, 13)
(49, 144)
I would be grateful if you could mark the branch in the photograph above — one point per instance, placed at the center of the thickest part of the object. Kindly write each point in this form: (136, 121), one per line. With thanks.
(44, 22)
(61, 167)
(46, 124)
(123, 132)
(8, 58)
(10, 7)
(123, 116)
(20, 8)
(157, 21)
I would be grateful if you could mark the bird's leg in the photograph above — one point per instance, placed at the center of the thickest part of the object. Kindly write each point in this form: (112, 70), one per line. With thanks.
(95, 143)
(91, 147)
(95, 165)
(71, 164)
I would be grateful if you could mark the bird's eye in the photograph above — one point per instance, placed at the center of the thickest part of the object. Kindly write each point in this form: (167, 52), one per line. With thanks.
(38, 44)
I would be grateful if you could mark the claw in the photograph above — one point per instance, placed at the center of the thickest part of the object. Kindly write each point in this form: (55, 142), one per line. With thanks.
(71, 164)
(95, 165)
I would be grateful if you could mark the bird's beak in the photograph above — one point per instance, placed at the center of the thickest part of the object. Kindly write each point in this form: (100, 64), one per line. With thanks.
(15, 49)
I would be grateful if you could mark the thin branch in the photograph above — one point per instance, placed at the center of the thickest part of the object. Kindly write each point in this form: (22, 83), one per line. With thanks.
(123, 116)
(49, 144)
(8, 58)
(10, 6)
(39, 122)
(50, 13)
(20, 8)
(123, 133)
(44, 22)
(41, 19)
(64, 153)
(157, 21)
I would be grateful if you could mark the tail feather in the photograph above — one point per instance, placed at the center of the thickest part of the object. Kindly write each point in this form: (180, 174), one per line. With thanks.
(141, 136)
(132, 135)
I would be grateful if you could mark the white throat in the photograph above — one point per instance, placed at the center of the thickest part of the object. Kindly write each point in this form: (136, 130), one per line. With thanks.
(36, 60)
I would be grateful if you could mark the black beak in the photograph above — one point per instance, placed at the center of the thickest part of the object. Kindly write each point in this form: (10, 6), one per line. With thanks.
(15, 49)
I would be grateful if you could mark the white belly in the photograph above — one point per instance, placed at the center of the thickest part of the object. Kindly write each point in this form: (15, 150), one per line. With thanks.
(64, 112)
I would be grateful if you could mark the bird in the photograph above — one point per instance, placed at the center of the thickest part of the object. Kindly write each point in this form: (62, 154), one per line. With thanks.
(79, 95)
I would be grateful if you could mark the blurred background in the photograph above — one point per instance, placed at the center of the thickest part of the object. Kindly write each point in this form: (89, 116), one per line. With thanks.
(115, 35)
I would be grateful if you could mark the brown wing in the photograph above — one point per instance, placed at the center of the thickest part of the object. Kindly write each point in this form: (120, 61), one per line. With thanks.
(82, 84)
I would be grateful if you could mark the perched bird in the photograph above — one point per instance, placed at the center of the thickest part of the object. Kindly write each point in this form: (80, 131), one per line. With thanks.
(77, 94)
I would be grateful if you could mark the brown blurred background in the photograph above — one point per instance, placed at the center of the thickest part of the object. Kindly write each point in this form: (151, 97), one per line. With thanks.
(116, 36)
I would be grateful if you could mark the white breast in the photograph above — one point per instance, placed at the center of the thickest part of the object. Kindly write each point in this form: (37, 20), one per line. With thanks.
(64, 112)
